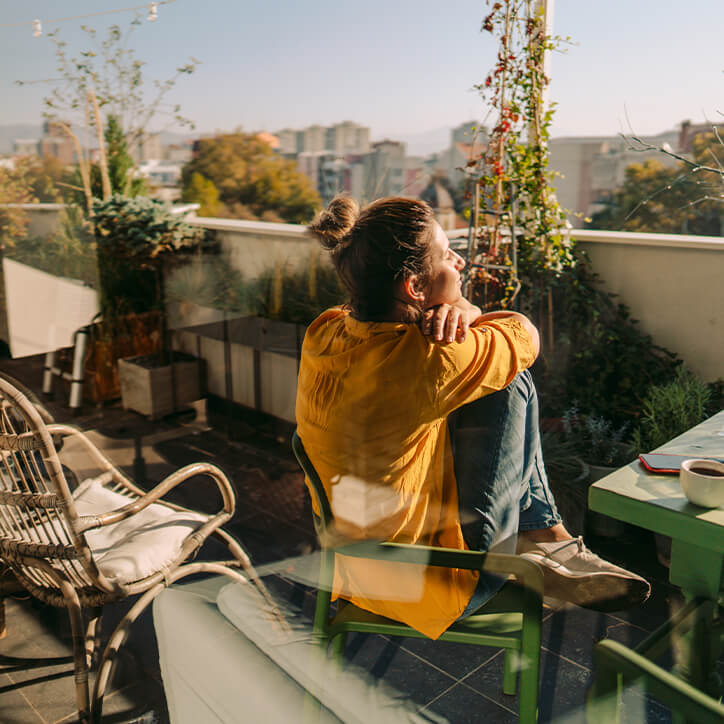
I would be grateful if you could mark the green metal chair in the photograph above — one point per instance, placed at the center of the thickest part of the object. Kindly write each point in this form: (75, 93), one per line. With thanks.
(618, 666)
(510, 620)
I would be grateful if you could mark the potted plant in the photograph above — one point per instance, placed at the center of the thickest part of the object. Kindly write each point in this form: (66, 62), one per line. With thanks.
(604, 448)
(669, 410)
(568, 477)
(137, 239)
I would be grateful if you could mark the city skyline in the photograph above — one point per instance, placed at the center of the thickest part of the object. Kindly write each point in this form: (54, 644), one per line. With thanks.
(402, 69)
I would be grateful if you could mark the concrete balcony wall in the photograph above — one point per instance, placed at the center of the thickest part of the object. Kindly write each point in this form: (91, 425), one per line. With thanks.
(253, 246)
(674, 286)
(43, 219)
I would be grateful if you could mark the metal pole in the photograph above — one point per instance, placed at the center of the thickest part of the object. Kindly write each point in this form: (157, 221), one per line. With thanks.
(76, 380)
(48, 372)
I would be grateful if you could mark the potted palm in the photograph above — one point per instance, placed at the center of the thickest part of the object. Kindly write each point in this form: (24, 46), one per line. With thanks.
(137, 240)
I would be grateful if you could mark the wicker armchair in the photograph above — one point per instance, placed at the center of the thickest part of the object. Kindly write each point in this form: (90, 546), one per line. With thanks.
(106, 540)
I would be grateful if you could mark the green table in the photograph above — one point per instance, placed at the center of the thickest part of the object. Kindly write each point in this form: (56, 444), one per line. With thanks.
(657, 502)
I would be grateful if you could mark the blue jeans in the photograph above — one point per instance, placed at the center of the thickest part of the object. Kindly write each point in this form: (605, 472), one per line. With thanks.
(502, 484)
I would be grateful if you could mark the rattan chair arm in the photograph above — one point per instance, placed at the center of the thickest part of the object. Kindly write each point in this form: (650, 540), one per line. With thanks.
(89, 522)
(98, 457)
(525, 571)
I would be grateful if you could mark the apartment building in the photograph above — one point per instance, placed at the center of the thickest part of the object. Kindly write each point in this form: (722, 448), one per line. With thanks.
(589, 168)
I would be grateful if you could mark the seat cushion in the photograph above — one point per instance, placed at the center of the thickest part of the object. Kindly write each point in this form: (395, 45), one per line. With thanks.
(351, 694)
(140, 545)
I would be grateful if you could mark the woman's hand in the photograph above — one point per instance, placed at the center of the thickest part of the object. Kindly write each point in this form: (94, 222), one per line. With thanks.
(446, 323)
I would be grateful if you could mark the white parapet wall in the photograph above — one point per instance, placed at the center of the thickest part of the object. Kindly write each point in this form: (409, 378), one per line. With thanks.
(254, 246)
(42, 218)
(674, 286)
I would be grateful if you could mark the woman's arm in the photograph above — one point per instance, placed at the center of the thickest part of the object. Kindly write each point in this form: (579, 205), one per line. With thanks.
(524, 321)
(446, 323)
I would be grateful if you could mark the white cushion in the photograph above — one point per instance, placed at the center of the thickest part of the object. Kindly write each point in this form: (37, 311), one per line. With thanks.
(140, 545)
(351, 693)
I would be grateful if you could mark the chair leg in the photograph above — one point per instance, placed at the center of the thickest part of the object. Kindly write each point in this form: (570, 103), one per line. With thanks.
(602, 698)
(338, 645)
(3, 627)
(529, 658)
(121, 632)
(93, 635)
(80, 661)
(511, 666)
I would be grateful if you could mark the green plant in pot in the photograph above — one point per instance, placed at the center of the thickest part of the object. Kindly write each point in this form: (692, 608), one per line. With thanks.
(668, 410)
(600, 443)
(137, 239)
(603, 447)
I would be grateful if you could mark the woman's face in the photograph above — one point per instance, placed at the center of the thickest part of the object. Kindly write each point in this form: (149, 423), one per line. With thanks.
(445, 282)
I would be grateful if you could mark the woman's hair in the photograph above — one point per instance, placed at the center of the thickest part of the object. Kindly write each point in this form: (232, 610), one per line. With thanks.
(375, 248)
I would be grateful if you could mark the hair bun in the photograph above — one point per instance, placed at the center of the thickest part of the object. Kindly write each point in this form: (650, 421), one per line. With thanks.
(334, 223)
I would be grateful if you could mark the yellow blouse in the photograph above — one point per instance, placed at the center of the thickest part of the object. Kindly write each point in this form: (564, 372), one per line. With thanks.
(372, 403)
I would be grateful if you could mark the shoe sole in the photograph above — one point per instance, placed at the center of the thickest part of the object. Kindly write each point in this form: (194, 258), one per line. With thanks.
(598, 591)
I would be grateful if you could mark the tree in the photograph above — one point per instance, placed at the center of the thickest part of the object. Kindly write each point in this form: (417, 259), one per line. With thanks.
(685, 199)
(120, 167)
(201, 190)
(110, 69)
(15, 188)
(251, 180)
(47, 178)
(108, 78)
(120, 163)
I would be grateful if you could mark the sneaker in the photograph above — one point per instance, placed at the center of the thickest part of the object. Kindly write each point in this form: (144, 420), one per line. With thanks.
(573, 573)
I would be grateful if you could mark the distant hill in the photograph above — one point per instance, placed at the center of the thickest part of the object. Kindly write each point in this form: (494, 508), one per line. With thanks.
(9, 133)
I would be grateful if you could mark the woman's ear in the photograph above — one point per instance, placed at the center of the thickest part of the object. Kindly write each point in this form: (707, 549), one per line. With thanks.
(413, 289)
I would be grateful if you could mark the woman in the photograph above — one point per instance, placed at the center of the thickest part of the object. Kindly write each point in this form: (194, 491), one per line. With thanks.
(380, 382)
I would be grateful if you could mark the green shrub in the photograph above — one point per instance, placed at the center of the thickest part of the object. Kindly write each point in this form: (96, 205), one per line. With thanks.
(596, 440)
(136, 238)
(671, 409)
(601, 359)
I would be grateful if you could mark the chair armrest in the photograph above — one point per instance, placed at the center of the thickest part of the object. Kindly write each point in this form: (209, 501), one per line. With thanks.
(109, 469)
(611, 657)
(527, 572)
(188, 471)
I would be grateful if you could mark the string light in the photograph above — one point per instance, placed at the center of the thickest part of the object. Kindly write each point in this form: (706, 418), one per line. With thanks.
(152, 8)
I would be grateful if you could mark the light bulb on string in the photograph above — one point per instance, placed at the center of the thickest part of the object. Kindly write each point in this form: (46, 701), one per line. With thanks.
(152, 12)
(37, 28)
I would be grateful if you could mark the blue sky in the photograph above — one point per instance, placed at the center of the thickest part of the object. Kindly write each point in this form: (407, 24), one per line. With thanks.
(402, 67)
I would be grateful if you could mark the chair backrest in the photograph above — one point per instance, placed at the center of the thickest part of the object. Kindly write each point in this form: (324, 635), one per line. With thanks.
(323, 520)
(37, 514)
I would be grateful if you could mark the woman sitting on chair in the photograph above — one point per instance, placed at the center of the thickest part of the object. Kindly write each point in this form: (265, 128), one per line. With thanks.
(421, 418)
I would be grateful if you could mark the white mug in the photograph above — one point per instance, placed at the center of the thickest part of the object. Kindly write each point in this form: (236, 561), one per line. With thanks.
(703, 482)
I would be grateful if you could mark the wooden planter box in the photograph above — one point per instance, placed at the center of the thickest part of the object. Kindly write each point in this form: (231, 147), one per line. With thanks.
(251, 361)
(156, 390)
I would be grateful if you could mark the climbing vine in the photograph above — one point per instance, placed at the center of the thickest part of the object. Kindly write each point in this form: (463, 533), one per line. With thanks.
(522, 239)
